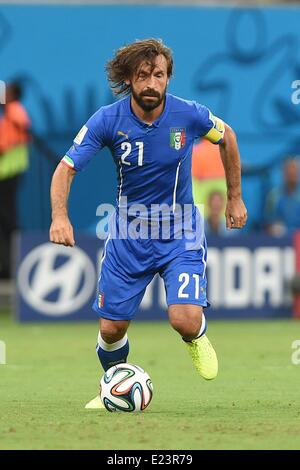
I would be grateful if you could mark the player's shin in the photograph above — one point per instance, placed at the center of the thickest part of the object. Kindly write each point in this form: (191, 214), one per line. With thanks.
(112, 354)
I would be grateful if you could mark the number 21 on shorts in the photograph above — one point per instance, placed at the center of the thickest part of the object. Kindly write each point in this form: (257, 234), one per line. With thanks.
(185, 279)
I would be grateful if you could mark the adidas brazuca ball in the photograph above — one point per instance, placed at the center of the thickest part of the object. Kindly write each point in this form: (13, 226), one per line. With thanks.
(126, 387)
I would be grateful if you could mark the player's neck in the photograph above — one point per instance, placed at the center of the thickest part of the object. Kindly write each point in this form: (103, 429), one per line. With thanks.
(147, 116)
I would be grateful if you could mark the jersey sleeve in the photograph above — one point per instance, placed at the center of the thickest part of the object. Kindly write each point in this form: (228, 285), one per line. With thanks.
(207, 125)
(90, 139)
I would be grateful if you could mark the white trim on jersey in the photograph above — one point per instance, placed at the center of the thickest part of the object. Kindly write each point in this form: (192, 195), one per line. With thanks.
(203, 260)
(121, 183)
(175, 187)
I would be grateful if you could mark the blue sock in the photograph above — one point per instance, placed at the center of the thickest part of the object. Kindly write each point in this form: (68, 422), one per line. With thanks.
(112, 354)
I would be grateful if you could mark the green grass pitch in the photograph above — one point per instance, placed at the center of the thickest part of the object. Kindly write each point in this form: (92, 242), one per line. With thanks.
(52, 371)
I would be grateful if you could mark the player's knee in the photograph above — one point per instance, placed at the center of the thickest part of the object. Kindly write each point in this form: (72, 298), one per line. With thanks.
(112, 331)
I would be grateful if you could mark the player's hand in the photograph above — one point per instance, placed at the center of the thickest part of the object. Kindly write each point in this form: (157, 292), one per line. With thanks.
(61, 231)
(236, 213)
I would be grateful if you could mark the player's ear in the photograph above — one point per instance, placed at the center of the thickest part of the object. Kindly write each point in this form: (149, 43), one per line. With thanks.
(127, 82)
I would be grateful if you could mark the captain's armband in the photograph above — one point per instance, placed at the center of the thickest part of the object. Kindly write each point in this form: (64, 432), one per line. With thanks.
(216, 133)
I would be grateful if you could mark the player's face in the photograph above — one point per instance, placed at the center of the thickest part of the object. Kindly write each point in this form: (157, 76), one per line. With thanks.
(149, 85)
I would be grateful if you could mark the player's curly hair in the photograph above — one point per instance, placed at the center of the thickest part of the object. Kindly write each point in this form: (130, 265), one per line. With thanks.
(127, 59)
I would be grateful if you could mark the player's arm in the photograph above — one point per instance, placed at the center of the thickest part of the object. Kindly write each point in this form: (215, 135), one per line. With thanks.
(216, 131)
(236, 213)
(89, 140)
(61, 230)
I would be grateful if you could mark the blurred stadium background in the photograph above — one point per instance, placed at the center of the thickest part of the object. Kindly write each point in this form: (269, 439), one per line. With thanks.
(241, 61)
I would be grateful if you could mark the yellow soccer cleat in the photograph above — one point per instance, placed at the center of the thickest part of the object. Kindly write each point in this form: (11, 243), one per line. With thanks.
(204, 357)
(95, 404)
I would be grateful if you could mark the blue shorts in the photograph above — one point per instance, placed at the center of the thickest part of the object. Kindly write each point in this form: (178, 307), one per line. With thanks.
(129, 265)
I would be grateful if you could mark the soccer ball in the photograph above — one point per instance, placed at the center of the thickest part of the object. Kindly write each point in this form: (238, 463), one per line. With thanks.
(126, 387)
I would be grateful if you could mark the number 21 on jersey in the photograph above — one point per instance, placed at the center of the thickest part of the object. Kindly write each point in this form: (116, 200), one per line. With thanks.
(127, 147)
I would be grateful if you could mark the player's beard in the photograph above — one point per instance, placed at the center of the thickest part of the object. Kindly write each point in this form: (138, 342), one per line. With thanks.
(141, 99)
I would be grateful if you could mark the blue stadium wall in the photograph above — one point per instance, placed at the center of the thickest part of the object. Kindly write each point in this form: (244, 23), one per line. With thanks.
(239, 62)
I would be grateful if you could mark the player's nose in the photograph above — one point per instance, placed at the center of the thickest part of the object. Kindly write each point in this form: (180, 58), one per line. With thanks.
(151, 82)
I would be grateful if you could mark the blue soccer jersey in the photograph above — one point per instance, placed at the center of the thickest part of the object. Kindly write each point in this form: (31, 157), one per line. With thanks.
(153, 161)
(154, 168)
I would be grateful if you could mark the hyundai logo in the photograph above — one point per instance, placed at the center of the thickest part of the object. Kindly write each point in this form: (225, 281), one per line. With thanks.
(56, 280)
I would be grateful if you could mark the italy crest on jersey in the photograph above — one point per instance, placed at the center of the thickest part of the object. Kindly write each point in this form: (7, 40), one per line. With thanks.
(177, 138)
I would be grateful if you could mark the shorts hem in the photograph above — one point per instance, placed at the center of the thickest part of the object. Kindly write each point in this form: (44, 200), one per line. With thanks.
(204, 304)
(110, 316)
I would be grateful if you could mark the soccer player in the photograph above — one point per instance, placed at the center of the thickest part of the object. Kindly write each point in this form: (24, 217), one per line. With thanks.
(150, 134)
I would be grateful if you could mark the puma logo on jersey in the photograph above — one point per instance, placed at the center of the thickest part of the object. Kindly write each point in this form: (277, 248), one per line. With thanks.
(123, 133)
